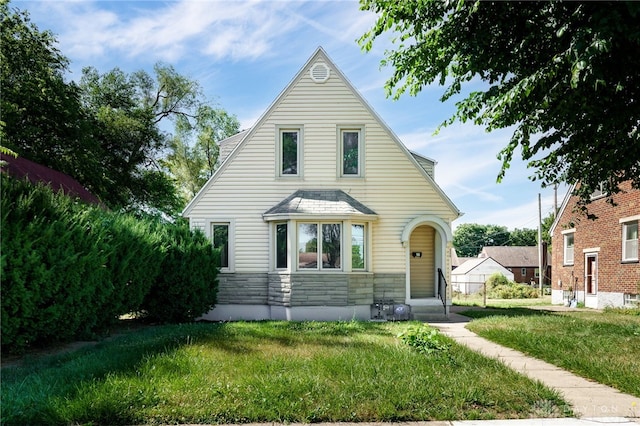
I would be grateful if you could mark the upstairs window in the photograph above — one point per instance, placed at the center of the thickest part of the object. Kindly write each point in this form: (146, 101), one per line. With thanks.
(350, 152)
(630, 241)
(289, 152)
(568, 248)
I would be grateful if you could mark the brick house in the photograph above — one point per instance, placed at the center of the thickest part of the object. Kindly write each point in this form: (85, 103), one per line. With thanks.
(596, 261)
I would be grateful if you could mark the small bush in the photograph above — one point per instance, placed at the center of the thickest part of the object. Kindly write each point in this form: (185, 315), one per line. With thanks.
(424, 339)
(499, 287)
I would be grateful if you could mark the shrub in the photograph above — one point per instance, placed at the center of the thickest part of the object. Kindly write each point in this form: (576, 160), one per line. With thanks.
(424, 339)
(187, 286)
(499, 287)
(70, 270)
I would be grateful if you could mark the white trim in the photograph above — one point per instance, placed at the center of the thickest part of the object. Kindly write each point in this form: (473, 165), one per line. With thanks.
(591, 250)
(281, 128)
(232, 239)
(629, 219)
(568, 231)
(629, 257)
(443, 236)
(360, 130)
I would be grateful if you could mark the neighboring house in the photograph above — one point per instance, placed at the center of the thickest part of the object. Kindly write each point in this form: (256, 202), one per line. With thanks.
(596, 261)
(321, 211)
(457, 261)
(522, 261)
(21, 168)
(470, 277)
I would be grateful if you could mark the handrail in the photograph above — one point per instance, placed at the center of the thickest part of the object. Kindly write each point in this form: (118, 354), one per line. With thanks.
(442, 289)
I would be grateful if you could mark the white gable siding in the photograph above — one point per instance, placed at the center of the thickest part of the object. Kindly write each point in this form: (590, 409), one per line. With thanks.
(392, 186)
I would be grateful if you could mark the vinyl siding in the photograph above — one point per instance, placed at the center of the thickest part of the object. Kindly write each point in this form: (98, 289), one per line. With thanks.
(392, 185)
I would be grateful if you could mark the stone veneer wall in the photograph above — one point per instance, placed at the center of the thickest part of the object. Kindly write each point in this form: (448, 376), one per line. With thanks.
(390, 287)
(309, 289)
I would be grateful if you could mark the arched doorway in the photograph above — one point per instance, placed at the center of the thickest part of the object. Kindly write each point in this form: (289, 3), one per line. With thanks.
(425, 239)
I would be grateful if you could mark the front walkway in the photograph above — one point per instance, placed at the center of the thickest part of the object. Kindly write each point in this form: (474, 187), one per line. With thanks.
(587, 398)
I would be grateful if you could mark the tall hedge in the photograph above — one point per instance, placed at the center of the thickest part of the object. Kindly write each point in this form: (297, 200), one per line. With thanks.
(69, 270)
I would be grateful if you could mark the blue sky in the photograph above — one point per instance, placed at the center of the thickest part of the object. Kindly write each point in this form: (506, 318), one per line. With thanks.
(244, 53)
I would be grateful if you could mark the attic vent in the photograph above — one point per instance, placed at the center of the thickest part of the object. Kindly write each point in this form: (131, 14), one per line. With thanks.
(319, 72)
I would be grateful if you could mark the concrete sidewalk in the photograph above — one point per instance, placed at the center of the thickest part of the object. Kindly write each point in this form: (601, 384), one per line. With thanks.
(590, 401)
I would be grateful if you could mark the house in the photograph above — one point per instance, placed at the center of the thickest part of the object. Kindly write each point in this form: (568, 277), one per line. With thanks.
(457, 261)
(522, 261)
(22, 168)
(321, 212)
(469, 277)
(595, 262)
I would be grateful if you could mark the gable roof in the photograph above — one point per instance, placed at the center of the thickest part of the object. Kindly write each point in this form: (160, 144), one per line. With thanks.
(563, 206)
(512, 256)
(229, 144)
(473, 263)
(234, 145)
(325, 202)
(21, 168)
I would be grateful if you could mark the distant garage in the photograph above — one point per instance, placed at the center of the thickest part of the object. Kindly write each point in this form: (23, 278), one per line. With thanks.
(470, 277)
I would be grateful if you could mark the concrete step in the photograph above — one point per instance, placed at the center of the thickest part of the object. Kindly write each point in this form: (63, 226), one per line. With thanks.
(428, 313)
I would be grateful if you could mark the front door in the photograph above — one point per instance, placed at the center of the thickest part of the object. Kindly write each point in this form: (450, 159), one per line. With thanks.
(422, 262)
(591, 273)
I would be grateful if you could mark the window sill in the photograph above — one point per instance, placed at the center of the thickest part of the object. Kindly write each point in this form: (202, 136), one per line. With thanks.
(568, 264)
(630, 261)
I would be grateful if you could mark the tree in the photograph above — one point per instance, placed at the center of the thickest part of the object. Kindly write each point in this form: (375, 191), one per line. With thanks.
(564, 74)
(523, 237)
(469, 238)
(42, 118)
(194, 148)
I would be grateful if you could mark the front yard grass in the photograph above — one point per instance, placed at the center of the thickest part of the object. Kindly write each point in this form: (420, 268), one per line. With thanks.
(478, 300)
(602, 346)
(268, 372)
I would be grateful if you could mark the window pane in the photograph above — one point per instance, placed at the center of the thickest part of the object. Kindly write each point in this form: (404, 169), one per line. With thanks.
(281, 246)
(290, 153)
(331, 254)
(568, 248)
(220, 234)
(357, 246)
(307, 246)
(350, 153)
(630, 241)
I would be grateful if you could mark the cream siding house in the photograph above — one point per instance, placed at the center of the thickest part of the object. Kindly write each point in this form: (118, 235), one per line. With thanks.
(321, 211)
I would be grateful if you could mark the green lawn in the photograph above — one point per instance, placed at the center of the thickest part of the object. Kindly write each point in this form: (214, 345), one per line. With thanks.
(602, 346)
(477, 300)
(268, 372)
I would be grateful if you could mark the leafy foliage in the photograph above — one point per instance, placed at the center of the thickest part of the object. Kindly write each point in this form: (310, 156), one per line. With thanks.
(424, 339)
(69, 270)
(105, 130)
(469, 238)
(564, 74)
(194, 148)
(499, 287)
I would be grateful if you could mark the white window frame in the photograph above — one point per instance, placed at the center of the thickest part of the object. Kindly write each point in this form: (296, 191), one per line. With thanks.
(365, 245)
(280, 130)
(230, 243)
(319, 242)
(275, 246)
(340, 160)
(565, 235)
(632, 256)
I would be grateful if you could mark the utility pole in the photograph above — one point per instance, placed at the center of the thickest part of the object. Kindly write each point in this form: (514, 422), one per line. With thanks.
(540, 273)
